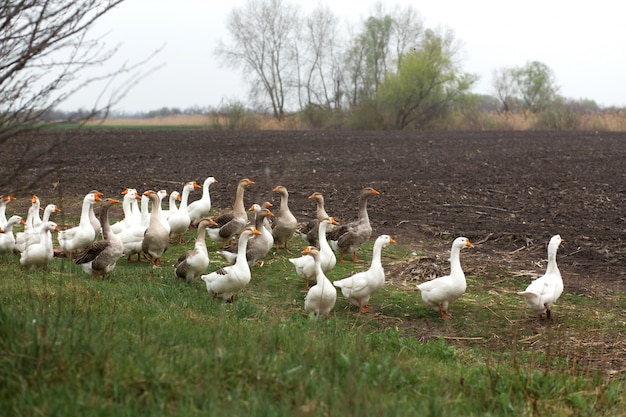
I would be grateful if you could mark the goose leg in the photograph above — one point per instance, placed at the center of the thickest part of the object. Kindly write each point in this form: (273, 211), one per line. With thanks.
(364, 308)
(443, 313)
(354, 258)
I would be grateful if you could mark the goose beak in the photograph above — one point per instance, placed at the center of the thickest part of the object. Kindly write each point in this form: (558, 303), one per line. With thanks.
(255, 231)
(391, 240)
(468, 244)
(269, 213)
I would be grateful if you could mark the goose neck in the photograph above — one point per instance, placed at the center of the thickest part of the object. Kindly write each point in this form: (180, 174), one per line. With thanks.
(455, 261)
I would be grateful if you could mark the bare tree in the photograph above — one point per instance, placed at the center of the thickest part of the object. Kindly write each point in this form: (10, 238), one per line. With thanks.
(407, 31)
(45, 57)
(321, 82)
(264, 38)
(505, 87)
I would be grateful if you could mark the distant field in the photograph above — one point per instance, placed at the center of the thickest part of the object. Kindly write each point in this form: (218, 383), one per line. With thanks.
(177, 120)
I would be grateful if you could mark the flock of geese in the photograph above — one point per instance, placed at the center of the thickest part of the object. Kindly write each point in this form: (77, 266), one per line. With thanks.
(147, 230)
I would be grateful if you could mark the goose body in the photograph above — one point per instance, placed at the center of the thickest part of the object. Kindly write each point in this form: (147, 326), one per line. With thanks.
(193, 263)
(78, 238)
(349, 237)
(180, 220)
(543, 292)
(39, 254)
(305, 264)
(100, 258)
(7, 237)
(156, 238)
(359, 287)
(132, 240)
(201, 208)
(226, 282)
(440, 292)
(258, 245)
(321, 297)
(229, 224)
(285, 223)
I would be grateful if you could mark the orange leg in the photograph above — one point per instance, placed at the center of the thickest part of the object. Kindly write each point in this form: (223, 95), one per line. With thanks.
(341, 252)
(445, 315)
(354, 258)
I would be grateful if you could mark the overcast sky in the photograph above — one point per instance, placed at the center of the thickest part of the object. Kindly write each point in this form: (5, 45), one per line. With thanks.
(584, 43)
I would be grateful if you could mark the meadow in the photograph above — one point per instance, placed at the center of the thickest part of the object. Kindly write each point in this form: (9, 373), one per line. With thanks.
(143, 343)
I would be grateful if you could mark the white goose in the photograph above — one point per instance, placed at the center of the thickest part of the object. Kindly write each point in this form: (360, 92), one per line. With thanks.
(440, 292)
(171, 207)
(201, 208)
(26, 238)
(321, 297)
(93, 219)
(359, 287)
(101, 257)
(78, 238)
(7, 237)
(39, 254)
(29, 227)
(225, 282)
(6, 199)
(180, 220)
(543, 292)
(305, 265)
(130, 219)
(193, 263)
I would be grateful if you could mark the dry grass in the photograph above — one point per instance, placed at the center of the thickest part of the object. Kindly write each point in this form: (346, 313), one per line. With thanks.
(606, 121)
(178, 120)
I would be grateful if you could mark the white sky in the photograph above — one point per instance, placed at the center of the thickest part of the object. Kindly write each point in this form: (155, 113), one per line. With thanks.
(584, 43)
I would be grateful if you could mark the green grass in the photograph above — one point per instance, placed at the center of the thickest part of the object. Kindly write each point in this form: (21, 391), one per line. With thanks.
(142, 343)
